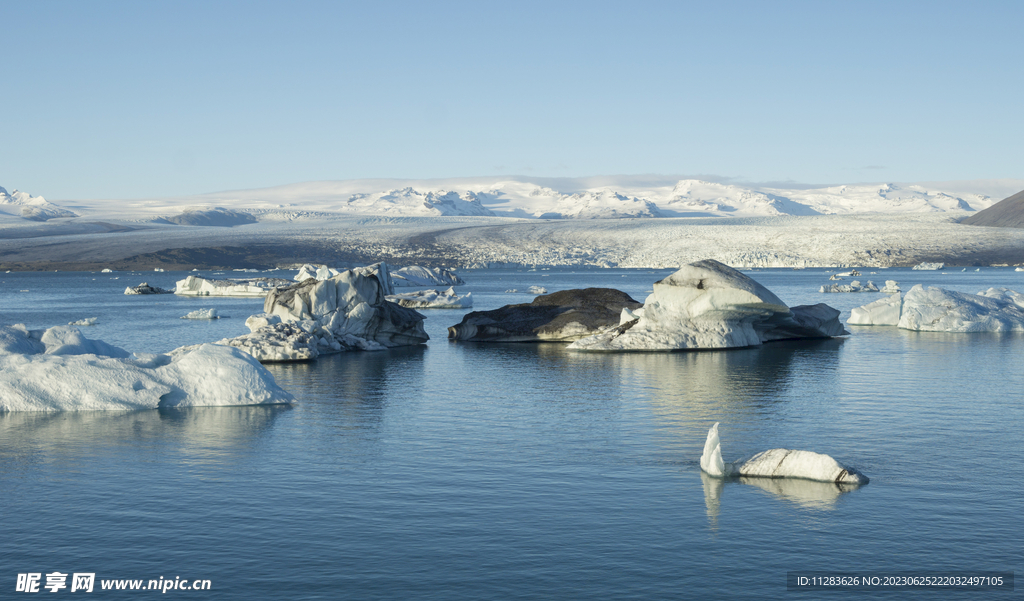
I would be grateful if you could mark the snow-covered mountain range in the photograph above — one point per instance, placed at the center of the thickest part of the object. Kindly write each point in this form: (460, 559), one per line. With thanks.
(33, 208)
(541, 198)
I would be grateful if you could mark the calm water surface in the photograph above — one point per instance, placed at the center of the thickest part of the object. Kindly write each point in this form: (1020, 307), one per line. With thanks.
(515, 471)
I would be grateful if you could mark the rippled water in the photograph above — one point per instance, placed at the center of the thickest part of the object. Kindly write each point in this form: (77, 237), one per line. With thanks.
(515, 471)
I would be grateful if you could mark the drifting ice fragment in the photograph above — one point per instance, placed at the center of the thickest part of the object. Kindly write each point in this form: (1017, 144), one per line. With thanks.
(777, 463)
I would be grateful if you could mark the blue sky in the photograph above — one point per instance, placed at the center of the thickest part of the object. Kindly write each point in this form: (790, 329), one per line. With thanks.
(145, 99)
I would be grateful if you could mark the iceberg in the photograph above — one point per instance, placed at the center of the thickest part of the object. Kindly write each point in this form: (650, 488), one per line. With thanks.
(145, 288)
(882, 312)
(891, 287)
(538, 290)
(559, 317)
(246, 288)
(776, 463)
(928, 266)
(710, 305)
(940, 310)
(433, 299)
(59, 369)
(88, 321)
(854, 286)
(349, 311)
(202, 314)
(317, 272)
(423, 276)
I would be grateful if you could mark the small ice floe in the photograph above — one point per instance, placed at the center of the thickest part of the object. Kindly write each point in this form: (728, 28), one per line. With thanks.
(776, 463)
(891, 287)
(433, 299)
(853, 273)
(1018, 269)
(416, 275)
(538, 290)
(854, 286)
(158, 269)
(244, 288)
(834, 277)
(88, 321)
(202, 314)
(928, 266)
(511, 291)
(107, 270)
(145, 288)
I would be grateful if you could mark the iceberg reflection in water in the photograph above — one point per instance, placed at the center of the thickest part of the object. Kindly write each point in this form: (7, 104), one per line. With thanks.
(807, 494)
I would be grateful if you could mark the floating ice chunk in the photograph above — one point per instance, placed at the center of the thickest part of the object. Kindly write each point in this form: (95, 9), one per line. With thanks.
(776, 463)
(107, 271)
(939, 310)
(511, 291)
(538, 290)
(88, 321)
(145, 288)
(317, 272)
(158, 269)
(882, 312)
(853, 273)
(854, 286)
(416, 275)
(246, 288)
(347, 312)
(560, 317)
(891, 287)
(710, 305)
(928, 266)
(202, 314)
(58, 369)
(433, 299)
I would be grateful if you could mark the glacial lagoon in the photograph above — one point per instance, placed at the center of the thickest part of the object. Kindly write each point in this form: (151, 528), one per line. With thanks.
(521, 471)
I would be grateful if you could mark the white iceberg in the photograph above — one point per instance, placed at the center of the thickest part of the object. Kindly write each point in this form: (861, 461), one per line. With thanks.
(854, 286)
(107, 270)
(88, 321)
(423, 276)
(433, 299)
(202, 314)
(928, 266)
(891, 287)
(710, 305)
(347, 312)
(317, 272)
(538, 290)
(882, 312)
(776, 463)
(58, 369)
(940, 310)
(246, 288)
